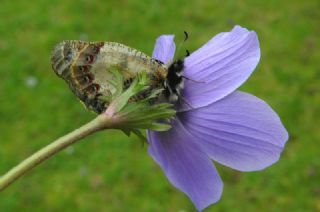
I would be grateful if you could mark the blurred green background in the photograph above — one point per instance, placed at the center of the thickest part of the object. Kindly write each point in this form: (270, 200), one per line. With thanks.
(110, 172)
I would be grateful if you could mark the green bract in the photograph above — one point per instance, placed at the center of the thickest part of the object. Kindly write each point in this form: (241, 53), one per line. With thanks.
(131, 116)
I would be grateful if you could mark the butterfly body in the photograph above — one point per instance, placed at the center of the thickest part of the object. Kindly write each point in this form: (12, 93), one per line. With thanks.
(86, 67)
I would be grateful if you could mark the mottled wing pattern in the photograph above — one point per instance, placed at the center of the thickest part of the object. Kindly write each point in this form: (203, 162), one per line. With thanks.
(73, 61)
(86, 66)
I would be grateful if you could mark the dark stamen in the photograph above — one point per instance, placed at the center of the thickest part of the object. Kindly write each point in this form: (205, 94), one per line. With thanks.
(186, 35)
(187, 53)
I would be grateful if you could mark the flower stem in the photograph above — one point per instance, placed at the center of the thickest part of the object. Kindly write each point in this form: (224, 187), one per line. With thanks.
(99, 123)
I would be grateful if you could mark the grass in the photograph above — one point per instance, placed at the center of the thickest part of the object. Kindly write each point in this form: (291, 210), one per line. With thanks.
(110, 172)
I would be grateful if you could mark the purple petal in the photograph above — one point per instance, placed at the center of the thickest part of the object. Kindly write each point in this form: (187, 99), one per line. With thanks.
(185, 165)
(240, 131)
(164, 48)
(220, 66)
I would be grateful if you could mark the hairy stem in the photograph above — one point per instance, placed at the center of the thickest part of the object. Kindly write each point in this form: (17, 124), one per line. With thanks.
(99, 123)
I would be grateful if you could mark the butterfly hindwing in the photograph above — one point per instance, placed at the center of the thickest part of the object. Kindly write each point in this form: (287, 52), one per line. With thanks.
(87, 68)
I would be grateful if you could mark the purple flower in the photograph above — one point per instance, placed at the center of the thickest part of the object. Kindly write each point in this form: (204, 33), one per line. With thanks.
(230, 127)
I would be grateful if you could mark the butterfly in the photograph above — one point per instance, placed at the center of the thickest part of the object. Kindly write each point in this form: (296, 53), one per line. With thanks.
(87, 69)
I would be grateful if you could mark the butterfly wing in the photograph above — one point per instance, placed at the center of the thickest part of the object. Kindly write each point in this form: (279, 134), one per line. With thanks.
(87, 68)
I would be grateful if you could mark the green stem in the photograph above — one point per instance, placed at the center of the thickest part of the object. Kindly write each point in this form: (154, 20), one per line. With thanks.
(99, 123)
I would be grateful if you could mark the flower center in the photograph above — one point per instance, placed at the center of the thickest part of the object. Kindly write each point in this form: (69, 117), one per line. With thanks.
(173, 84)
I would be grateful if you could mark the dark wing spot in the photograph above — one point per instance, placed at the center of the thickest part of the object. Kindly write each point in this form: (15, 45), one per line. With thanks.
(95, 88)
(89, 58)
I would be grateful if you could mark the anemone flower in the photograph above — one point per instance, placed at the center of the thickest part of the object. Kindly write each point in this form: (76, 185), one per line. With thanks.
(230, 127)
